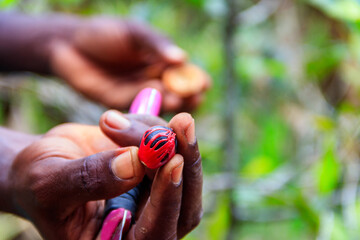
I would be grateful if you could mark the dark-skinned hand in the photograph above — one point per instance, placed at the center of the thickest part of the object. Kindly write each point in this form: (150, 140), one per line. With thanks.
(60, 181)
(111, 60)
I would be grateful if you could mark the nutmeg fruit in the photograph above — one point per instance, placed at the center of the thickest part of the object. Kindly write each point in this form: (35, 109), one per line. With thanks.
(157, 146)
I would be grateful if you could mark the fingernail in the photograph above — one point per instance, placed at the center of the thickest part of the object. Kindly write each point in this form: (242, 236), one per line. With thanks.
(116, 120)
(176, 174)
(175, 53)
(122, 165)
(190, 133)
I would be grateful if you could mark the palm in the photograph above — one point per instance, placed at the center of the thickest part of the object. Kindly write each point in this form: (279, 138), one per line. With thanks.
(62, 144)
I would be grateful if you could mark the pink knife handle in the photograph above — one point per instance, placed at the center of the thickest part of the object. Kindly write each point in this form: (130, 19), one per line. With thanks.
(148, 101)
(112, 221)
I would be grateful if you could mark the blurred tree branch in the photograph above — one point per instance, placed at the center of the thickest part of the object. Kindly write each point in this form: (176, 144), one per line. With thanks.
(232, 91)
(259, 12)
(231, 87)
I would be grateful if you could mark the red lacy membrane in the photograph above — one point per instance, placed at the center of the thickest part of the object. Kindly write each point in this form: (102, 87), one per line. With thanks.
(157, 147)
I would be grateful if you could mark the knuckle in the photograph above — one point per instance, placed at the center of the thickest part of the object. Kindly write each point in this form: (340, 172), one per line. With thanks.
(193, 222)
(197, 219)
(195, 169)
(166, 206)
(90, 180)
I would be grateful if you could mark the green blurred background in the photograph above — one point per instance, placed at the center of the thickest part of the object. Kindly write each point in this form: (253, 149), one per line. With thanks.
(279, 131)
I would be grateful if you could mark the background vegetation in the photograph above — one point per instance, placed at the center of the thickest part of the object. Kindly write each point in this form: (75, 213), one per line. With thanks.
(279, 130)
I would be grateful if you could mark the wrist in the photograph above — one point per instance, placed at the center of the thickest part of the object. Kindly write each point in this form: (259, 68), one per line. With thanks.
(26, 40)
(11, 143)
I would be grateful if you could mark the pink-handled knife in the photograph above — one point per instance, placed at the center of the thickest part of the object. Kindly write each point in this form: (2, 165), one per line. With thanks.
(119, 210)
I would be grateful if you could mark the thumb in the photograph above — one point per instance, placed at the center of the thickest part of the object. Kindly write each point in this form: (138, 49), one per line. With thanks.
(102, 176)
(170, 52)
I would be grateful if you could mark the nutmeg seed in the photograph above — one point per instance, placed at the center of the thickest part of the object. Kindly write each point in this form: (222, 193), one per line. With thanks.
(157, 147)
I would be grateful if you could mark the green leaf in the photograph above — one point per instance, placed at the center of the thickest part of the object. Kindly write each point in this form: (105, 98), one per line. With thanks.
(307, 212)
(34, 113)
(324, 123)
(339, 231)
(219, 222)
(7, 3)
(66, 3)
(196, 3)
(328, 170)
(258, 167)
(294, 229)
(275, 68)
(348, 10)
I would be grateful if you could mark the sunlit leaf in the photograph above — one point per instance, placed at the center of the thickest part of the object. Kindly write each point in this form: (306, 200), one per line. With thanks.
(219, 221)
(66, 3)
(339, 231)
(275, 68)
(7, 3)
(33, 111)
(307, 212)
(196, 3)
(342, 9)
(294, 229)
(258, 166)
(328, 170)
(324, 123)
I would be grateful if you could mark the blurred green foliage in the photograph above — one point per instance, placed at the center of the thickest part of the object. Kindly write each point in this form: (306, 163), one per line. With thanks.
(297, 120)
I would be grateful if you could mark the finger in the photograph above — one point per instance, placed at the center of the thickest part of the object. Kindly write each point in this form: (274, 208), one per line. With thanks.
(191, 209)
(86, 77)
(148, 119)
(146, 37)
(119, 93)
(106, 40)
(83, 75)
(113, 41)
(163, 206)
(194, 101)
(100, 176)
(171, 102)
(175, 103)
(190, 103)
(127, 130)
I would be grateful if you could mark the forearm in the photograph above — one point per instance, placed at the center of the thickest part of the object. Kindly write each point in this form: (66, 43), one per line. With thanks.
(11, 143)
(25, 41)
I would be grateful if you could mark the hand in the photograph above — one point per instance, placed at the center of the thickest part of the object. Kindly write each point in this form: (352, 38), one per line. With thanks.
(59, 181)
(107, 60)
(111, 60)
(174, 199)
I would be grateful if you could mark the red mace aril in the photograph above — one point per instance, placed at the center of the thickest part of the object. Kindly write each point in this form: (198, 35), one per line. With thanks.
(157, 147)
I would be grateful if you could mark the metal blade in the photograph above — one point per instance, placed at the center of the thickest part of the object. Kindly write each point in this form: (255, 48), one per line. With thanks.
(119, 230)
